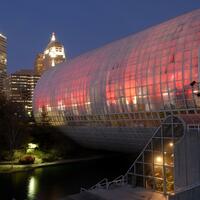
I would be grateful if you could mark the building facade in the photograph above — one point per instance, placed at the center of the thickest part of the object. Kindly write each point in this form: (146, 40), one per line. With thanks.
(114, 97)
(39, 64)
(53, 54)
(20, 87)
(3, 61)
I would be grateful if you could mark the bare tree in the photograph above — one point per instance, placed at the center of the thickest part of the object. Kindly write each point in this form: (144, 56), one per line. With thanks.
(13, 124)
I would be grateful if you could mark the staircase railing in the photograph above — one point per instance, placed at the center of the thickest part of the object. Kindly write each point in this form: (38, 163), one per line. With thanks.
(122, 179)
(103, 184)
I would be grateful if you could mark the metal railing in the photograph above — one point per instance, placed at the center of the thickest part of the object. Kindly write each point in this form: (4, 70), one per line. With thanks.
(120, 180)
(103, 184)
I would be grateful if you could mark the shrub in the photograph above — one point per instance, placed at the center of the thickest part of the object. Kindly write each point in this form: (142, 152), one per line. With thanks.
(27, 159)
(18, 154)
(49, 157)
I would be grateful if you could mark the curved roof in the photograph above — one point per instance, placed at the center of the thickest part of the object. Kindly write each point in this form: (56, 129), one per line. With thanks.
(144, 72)
(113, 97)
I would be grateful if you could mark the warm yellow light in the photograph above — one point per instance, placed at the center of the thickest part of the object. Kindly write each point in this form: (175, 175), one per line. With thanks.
(134, 100)
(32, 145)
(159, 160)
(171, 144)
(127, 102)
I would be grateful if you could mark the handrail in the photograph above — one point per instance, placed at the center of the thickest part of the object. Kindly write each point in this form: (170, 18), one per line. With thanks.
(123, 179)
(83, 189)
(120, 179)
(100, 184)
(121, 176)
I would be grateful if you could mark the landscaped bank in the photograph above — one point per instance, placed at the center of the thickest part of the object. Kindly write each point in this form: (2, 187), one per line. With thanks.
(11, 168)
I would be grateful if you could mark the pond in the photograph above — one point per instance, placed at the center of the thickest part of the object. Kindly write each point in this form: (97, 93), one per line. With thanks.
(57, 182)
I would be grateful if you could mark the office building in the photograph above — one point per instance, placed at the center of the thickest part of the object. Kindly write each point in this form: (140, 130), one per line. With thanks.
(20, 88)
(3, 61)
(53, 54)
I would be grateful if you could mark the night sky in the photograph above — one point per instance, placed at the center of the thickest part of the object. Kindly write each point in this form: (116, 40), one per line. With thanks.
(80, 25)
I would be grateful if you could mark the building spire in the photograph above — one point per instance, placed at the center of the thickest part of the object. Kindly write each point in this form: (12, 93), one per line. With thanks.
(53, 37)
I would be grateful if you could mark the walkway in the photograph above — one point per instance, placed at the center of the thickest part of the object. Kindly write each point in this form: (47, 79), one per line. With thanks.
(119, 193)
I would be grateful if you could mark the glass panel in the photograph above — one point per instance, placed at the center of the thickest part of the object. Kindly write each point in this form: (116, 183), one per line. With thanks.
(159, 185)
(169, 171)
(167, 130)
(149, 147)
(148, 157)
(158, 134)
(157, 160)
(140, 159)
(158, 171)
(149, 183)
(148, 170)
(139, 181)
(157, 144)
(139, 169)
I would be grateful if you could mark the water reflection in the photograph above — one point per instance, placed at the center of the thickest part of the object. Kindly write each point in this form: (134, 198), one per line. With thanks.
(57, 182)
(32, 187)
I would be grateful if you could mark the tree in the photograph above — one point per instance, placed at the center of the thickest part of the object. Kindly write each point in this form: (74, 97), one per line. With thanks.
(44, 117)
(13, 124)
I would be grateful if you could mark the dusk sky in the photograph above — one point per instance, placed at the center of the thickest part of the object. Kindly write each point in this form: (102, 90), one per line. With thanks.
(80, 25)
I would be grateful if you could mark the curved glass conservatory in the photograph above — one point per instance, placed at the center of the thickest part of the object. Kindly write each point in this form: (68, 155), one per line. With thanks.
(115, 96)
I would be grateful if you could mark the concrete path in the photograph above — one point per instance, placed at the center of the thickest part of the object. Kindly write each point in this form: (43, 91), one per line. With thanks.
(128, 193)
(120, 193)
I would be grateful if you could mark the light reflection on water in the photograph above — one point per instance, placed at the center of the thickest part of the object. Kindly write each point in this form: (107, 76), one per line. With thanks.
(32, 187)
(57, 182)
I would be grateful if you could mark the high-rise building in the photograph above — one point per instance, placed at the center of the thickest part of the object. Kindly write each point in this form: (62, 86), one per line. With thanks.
(53, 54)
(20, 89)
(3, 60)
(39, 63)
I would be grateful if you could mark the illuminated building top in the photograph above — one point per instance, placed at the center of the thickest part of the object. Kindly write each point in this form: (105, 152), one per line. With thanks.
(53, 54)
(1, 35)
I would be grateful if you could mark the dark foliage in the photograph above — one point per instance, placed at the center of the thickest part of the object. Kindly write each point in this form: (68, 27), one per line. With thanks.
(27, 159)
(13, 125)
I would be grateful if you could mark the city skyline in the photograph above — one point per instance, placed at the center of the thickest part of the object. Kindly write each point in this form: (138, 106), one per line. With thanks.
(30, 24)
